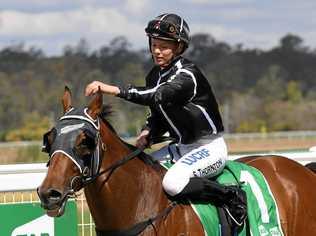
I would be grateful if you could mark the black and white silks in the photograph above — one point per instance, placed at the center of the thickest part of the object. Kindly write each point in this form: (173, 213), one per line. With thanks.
(181, 102)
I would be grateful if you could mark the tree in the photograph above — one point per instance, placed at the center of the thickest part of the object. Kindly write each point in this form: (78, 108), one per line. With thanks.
(272, 89)
(292, 42)
(32, 128)
(271, 85)
(293, 92)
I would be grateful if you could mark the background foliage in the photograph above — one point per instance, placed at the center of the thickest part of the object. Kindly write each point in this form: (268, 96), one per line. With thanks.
(258, 91)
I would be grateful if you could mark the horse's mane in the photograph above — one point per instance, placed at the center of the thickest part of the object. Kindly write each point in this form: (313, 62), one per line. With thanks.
(143, 156)
(106, 111)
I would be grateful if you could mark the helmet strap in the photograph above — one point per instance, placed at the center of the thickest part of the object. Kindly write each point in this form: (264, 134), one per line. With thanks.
(180, 49)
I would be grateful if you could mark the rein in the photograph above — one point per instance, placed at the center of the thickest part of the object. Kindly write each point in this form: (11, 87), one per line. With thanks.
(112, 168)
(139, 227)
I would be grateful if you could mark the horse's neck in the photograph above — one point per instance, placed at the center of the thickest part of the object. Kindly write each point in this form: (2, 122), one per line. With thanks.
(132, 193)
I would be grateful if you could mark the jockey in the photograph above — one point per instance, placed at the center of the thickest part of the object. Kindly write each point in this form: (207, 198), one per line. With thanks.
(182, 103)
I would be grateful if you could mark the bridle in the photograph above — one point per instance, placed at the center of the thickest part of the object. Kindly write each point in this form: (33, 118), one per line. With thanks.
(89, 174)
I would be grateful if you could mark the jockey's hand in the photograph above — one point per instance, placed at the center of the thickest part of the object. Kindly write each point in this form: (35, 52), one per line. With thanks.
(142, 139)
(93, 87)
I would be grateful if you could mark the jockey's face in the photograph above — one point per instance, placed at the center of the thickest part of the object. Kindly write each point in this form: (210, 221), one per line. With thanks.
(163, 51)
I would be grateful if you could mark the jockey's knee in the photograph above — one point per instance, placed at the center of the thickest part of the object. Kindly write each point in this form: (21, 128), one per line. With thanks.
(175, 180)
(174, 184)
(212, 170)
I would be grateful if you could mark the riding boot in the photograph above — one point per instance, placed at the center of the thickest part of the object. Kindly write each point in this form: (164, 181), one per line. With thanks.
(232, 198)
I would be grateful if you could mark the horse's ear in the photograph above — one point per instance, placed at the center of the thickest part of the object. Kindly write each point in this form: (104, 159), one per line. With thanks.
(66, 99)
(95, 106)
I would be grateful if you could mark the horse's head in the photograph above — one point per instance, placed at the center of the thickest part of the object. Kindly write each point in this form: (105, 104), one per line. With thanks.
(73, 146)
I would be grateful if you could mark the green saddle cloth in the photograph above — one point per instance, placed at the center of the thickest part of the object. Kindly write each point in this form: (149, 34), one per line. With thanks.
(263, 216)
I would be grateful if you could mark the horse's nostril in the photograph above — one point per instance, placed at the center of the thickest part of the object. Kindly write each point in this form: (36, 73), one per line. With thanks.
(54, 194)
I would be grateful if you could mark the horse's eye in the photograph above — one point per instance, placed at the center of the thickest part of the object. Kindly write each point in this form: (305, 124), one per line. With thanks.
(88, 143)
(89, 140)
(85, 145)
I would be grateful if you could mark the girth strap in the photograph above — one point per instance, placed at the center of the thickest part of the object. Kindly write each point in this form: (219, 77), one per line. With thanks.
(139, 227)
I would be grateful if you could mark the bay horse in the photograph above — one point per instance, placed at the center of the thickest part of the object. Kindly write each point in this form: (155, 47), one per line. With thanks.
(126, 188)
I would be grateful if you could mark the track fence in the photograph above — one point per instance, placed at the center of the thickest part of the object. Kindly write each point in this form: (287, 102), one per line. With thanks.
(18, 184)
(85, 221)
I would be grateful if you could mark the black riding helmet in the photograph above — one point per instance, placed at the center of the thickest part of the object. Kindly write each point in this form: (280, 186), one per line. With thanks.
(169, 27)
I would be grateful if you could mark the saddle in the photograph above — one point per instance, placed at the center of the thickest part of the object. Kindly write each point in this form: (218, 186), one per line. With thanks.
(263, 216)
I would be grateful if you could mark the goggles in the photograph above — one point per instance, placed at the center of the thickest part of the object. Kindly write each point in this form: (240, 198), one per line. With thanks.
(161, 28)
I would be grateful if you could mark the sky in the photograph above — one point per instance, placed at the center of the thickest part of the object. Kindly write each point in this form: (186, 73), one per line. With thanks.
(52, 24)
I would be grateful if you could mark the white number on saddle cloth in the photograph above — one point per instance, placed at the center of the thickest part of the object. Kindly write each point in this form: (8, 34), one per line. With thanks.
(246, 176)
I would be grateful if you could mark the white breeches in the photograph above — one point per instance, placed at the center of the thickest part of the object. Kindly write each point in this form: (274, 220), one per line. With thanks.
(205, 158)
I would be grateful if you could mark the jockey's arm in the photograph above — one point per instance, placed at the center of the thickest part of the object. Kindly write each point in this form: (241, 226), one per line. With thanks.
(93, 87)
(179, 90)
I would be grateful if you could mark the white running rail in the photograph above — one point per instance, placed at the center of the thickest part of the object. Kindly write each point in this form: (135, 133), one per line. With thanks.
(27, 177)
